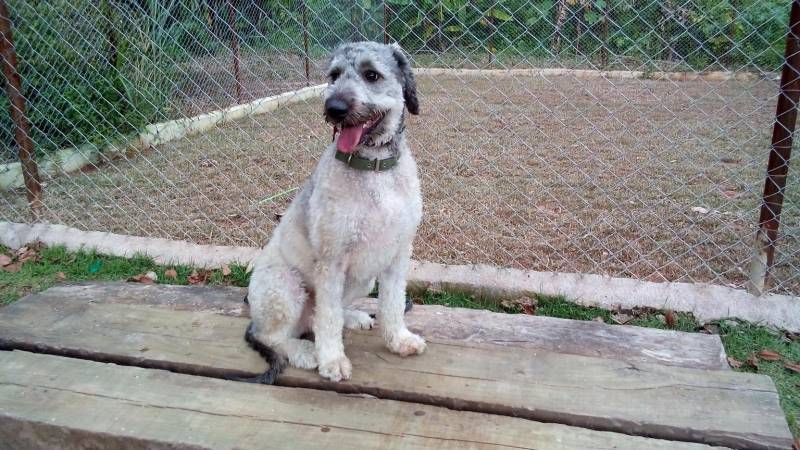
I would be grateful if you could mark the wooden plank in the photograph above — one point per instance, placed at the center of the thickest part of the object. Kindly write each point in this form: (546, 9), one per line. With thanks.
(576, 337)
(450, 325)
(714, 407)
(96, 405)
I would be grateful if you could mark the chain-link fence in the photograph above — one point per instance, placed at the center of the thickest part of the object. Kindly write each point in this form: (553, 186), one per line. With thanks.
(621, 137)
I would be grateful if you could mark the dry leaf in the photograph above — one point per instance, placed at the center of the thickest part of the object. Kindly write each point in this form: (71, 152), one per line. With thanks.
(141, 278)
(735, 363)
(669, 318)
(621, 318)
(171, 274)
(4, 260)
(599, 319)
(752, 361)
(26, 254)
(226, 270)
(769, 355)
(199, 277)
(794, 367)
(151, 275)
(13, 268)
(528, 309)
(61, 276)
(710, 328)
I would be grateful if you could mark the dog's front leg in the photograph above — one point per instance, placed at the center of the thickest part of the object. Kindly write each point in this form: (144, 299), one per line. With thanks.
(392, 304)
(329, 320)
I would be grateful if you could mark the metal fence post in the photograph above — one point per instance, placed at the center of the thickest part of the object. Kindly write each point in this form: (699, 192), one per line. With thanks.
(305, 41)
(385, 22)
(22, 127)
(235, 49)
(778, 165)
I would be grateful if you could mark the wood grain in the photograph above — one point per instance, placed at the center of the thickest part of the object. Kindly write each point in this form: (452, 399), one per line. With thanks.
(95, 405)
(714, 407)
(448, 325)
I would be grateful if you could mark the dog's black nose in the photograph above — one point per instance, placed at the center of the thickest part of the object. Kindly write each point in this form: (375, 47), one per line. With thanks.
(336, 108)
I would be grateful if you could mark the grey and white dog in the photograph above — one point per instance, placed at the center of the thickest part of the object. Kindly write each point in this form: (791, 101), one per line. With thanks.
(353, 222)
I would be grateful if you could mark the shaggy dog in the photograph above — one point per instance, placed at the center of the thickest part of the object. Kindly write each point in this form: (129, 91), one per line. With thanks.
(353, 223)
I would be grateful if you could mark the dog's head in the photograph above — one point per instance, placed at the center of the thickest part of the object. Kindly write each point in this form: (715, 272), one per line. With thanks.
(369, 84)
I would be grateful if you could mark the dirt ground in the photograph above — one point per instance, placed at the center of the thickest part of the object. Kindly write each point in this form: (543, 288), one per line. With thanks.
(657, 180)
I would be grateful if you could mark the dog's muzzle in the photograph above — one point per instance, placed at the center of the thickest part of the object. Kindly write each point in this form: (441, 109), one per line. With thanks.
(336, 109)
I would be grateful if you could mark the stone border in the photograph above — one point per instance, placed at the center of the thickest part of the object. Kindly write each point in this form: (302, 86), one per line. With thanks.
(587, 73)
(706, 301)
(72, 159)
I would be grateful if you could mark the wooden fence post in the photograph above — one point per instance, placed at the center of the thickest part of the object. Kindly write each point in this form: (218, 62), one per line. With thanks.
(778, 164)
(22, 126)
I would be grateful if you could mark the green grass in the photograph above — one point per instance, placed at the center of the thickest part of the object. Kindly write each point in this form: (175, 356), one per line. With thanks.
(741, 340)
(91, 266)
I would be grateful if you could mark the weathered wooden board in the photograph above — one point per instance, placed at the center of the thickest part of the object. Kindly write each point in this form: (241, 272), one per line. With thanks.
(56, 402)
(715, 407)
(449, 325)
(575, 337)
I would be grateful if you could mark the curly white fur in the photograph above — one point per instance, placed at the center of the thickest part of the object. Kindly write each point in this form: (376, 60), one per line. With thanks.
(344, 230)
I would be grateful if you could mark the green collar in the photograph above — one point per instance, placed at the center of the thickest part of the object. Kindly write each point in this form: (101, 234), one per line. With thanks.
(360, 163)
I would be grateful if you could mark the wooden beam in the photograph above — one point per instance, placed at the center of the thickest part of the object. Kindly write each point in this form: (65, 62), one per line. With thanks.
(446, 325)
(714, 407)
(99, 405)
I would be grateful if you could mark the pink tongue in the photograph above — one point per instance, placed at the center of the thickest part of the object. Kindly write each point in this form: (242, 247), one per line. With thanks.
(348, 138)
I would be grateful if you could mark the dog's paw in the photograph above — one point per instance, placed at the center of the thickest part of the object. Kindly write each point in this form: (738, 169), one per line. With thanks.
(337, 370)
(358, 320)
(304, 356)
(406, 344)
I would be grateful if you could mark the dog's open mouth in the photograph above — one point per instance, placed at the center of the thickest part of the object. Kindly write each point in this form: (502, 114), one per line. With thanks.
(352, 135)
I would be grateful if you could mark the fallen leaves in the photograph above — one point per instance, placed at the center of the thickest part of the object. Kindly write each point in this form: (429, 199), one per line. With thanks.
(199, 277)
(145, 278)
(226, 270)
(735, 363)
(13, 263)
(26, 254)
(172, 274)
(669, 318)
(764, 355)
(794, 367)
(61, 276)
(769, 355)
(526, 304)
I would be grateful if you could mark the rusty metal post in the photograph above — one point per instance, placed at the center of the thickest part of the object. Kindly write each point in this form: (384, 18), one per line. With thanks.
(305, 41)
(778, 164)
(22, 127)
(385, 22)
(235, 49)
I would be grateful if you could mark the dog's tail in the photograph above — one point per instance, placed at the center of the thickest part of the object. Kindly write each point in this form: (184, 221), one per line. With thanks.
(276, 361)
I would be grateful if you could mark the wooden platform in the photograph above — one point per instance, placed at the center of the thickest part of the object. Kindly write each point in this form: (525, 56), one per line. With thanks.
(487, 381)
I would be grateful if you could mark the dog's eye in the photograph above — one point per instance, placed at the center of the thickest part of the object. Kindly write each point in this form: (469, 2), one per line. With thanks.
(372, 76)
(334, 75)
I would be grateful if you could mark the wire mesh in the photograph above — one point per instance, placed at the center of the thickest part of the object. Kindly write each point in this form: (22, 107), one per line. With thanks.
(626, 137)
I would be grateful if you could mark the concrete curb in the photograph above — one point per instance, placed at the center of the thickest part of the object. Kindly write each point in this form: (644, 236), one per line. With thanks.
(587, 74)
(706, 301)
(72, 159)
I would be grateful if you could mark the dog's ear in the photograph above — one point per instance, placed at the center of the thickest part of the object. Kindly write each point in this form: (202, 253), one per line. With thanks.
(409, 84)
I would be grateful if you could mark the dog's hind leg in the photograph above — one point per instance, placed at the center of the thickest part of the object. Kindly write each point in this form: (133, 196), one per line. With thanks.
(278, 300)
